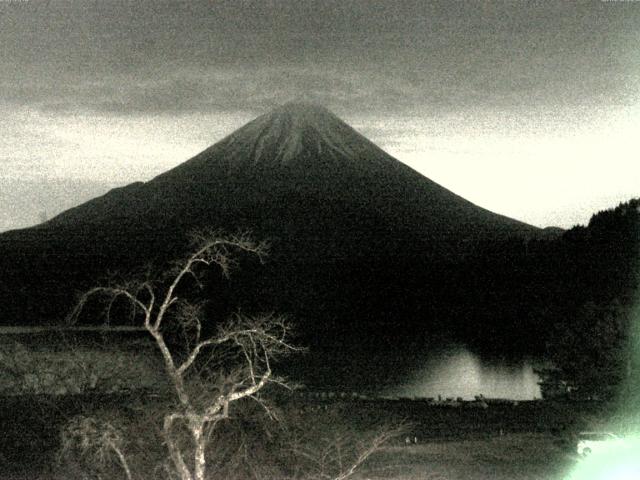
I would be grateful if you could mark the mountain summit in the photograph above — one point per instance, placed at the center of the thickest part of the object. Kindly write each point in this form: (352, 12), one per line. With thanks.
(293, 130)
(294, 136)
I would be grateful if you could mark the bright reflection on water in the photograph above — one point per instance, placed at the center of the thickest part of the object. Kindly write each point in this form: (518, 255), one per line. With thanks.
(457, 372)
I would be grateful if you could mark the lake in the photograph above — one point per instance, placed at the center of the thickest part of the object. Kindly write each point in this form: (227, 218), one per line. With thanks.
(444, 369)
(447, 370)
(454, 371)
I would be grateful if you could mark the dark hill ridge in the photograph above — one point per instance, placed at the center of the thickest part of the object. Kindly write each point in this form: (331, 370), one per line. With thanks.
(360, 241)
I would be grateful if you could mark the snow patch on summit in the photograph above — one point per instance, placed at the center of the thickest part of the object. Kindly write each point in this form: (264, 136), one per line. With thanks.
(290, 129)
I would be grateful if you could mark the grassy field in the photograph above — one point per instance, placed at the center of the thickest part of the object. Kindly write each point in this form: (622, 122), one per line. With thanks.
(520, 456)
(527, 441)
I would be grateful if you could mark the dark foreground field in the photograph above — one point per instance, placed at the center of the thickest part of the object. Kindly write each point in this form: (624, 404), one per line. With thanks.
(518, 456)
(530, 440)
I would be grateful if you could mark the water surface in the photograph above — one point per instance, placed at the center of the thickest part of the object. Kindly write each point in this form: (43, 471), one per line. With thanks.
(455, 371)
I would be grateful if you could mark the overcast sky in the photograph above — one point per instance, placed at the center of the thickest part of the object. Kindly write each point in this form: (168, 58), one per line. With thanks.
(530, 109)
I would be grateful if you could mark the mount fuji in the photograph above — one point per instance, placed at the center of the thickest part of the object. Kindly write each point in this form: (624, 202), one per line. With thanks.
(360, 243)
(300, 172)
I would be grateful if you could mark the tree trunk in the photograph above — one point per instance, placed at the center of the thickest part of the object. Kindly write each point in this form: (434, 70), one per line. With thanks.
(174, 451)
(199, 457)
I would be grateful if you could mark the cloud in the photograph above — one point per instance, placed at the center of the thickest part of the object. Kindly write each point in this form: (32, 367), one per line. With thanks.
(357, 88)
(208, 90)
(152, 57)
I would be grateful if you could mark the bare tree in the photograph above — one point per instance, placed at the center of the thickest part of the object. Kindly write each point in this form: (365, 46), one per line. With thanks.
(329, 446)
(96, 442)
(338, 456)
(208, 373)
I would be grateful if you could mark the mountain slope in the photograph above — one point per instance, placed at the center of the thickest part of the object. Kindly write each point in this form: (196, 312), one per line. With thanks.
(358, 238)
(300, 157)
